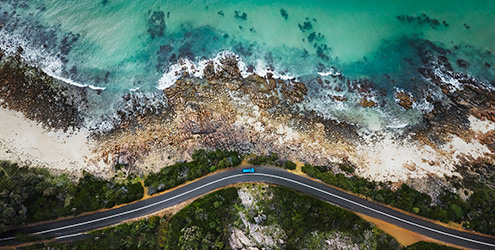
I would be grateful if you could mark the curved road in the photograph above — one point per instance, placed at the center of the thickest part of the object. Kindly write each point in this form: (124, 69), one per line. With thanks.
(73, 228)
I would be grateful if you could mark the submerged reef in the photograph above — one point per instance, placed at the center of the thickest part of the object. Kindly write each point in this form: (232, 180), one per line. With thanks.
(156, 24)
(422, 19)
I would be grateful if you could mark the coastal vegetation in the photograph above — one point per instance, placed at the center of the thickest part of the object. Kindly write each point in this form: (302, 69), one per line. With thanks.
(272, 159)
(475, 213)
(202, 163)
(208, 222)
(30, 195)
(148, 233)
(301, 216)
(204, 223)
(33, 194)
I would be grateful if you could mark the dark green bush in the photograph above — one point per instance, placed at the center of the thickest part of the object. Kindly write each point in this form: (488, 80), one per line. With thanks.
(481, 211)
(290, 165)
(203, 224)
(271, 159)
(31, 194)
(203, 163)
(258, 160)
(477, 212)
(143, 234)
(346, 168)
(300, 214)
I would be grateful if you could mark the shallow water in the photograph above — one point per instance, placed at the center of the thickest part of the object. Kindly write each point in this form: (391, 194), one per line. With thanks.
(128, 45)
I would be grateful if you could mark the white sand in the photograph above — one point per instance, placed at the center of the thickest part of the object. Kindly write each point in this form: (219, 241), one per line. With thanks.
(480, 126)
(25, 141)
(385, 159)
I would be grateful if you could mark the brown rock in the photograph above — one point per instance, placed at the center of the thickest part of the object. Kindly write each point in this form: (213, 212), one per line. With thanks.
(367, 102)
(405, 99)
(339, 98)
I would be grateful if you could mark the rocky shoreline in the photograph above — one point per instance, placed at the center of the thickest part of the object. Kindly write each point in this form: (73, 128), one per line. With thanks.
(250, 115)
(38, 96)
(263, 115)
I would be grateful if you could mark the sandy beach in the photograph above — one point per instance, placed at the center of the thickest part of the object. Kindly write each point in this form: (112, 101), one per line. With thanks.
(27, 142)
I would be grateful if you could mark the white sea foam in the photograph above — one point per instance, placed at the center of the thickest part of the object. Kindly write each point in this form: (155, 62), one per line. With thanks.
(262, 69)
(424, 106)
(331, 72)
(69, 81)
(175, 71)
(50, 64)
(397, 125)
(452, 82)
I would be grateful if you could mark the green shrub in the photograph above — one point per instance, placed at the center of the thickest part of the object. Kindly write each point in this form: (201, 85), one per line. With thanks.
(203, 223)
(271, 159)
(301, 215)
(36, 195)
(203, 163)
(290, 165)
(142, 234)
(346, 168)
(481, 212)
(258, 160)
(476, 211)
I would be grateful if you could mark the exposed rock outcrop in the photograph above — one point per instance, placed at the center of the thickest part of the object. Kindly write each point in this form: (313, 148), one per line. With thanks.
(38, 96)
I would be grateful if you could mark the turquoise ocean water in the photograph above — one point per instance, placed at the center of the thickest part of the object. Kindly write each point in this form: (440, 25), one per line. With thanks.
(121, 46)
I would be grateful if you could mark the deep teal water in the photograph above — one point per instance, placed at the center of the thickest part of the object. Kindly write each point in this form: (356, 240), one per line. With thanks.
(123, 45)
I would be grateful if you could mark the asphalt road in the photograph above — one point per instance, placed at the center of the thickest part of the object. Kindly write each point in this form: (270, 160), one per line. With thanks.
(74, 228)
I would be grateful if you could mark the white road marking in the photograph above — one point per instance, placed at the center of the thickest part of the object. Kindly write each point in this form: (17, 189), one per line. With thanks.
(68, 236)
(272, 176)
(9, 238)
(380, 212)
(137, 209)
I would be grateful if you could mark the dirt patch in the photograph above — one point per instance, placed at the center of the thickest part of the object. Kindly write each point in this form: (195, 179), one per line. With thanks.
(403, 236)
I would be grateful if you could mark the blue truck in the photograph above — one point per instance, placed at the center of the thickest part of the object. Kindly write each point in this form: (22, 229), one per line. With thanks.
(248, 170)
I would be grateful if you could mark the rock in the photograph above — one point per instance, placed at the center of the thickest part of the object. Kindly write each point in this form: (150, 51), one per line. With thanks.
(123, 160)
(260, 218)
(294, 92)
(405, 99)
(410, 166)
(38, 96)
(367, 102)
(339, 98)
(239, 15)
(230, 70)
(209, 71)
(152, 190)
